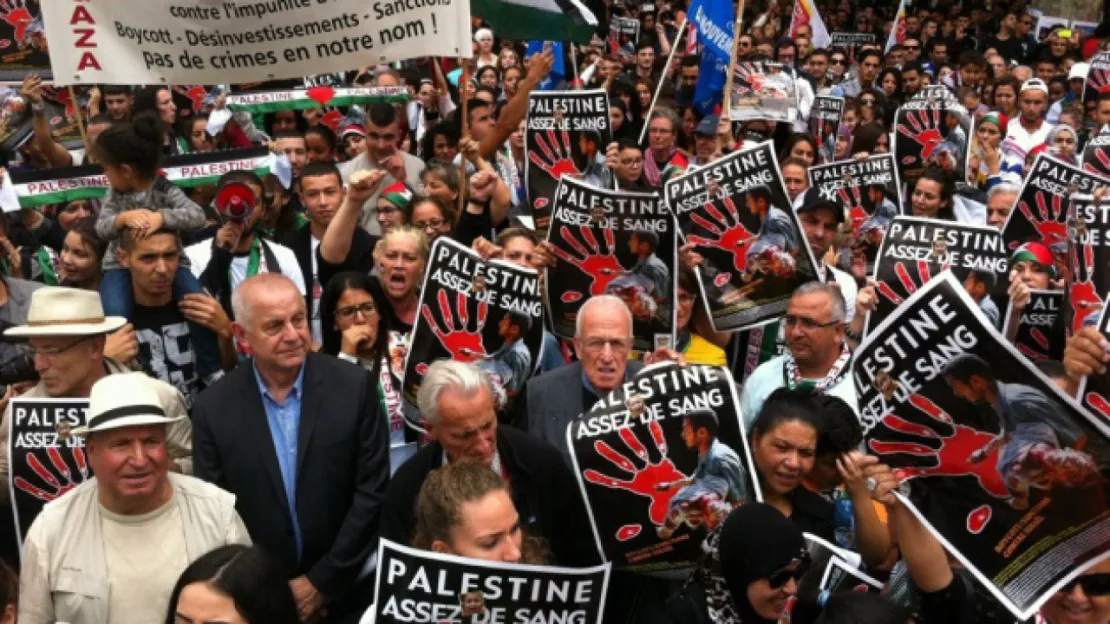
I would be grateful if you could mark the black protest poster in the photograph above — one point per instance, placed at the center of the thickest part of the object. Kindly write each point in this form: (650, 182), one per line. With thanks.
(1041, 211)
(1096, 154)
(820, 554)
(1033, 330)
(624, 33)
(565, 133)
(850, 41)
(661, 461)
(23, 46)
(45, 459)
(735, 210)
(824, 122)
(1005, 468)
(870, 193)
(931, 129)
(476, 311)
(62, 112)
(1098, 78)
(762, 90)
(613, 243)
(414, 585)
(841, 576)
(915, 250)
(1088, 274)
(1094, 390)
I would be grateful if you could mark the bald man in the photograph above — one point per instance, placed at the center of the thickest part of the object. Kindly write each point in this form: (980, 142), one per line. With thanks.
(298, 438)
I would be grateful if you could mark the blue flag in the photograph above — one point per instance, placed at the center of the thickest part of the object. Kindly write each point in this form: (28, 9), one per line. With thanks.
(714, 22)
(558, 70)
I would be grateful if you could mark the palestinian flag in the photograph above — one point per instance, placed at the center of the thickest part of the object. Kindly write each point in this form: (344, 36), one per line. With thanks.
(676, 166)
(260, 102)
(55, 186)
(541, 20)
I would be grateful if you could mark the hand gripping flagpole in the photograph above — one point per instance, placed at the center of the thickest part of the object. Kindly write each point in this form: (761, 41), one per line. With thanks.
(663, 77)
(736, 31)
(464, 189)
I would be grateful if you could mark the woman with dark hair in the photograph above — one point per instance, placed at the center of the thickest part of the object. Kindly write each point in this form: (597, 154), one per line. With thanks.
(890, 81)
(489, 76)
(801, 146)
(872, 106)
(634, 107)
(320, 144)
(233, 584)
(82, 252)
(440, 142)
(284, 121)
(932, 195)
(870, 139)
(693, 347)
(159, 100)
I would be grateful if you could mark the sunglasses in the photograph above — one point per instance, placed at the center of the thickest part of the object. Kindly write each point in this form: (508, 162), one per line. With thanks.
(782, 577)
(838, 61)
(1092, 584)
(867, 101)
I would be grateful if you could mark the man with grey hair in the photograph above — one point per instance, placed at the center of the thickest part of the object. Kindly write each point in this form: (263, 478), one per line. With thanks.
(1000, 201)
(458, 405)
(817, 355)
(298, 438)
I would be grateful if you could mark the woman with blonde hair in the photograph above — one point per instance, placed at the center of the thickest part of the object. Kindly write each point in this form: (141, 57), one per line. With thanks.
(399, 258)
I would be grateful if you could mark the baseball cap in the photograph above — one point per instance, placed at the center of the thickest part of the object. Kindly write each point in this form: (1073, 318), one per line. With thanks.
(1034, 84)
(708, 126)
(1079, 71)
(812, 200)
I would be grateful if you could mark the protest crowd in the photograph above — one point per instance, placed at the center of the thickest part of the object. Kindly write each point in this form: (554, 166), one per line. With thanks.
(671, 311)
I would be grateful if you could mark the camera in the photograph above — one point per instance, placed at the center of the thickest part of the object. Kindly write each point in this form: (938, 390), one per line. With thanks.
(18, 369)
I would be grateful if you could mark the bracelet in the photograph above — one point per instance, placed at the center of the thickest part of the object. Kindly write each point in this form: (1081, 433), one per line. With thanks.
(39, 108)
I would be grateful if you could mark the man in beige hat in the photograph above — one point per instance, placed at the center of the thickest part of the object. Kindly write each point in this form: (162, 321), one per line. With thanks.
(110, 551)
(66, 329)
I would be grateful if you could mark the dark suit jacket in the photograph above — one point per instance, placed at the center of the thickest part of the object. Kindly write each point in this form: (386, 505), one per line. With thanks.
(545, 493)
(342, 467)
(360, 258)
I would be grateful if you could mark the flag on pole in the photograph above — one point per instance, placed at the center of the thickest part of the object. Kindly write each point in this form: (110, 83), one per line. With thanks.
(898, 29)
(552, 20)
(713, 21)
(558, 68)
(805, 12)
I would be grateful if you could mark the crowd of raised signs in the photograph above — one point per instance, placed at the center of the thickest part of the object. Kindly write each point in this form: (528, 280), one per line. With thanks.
(623, 330)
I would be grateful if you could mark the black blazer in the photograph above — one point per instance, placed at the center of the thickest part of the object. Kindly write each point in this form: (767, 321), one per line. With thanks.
(342, 467)
(360, 258)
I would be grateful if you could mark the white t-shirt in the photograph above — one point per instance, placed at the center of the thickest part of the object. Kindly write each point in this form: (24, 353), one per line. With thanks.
(144, 554)
(200, 255)
(1018, 137)
(768, 377)
(317, 292)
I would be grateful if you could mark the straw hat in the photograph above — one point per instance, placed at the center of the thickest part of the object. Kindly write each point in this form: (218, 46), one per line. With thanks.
(124, 400)
(60, 311)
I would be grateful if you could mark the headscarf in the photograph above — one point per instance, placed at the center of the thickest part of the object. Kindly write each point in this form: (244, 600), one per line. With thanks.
(1037, 253)
(997, 118)
(1050, 141)
(754, 542)
(398, 194)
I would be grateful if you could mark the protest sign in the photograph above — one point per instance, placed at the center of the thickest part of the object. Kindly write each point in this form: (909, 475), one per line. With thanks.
(762, 90)
(1034, 330)
(23, 47)
(820, 555)
(1096, 154)
(240, 41)
(44, 459)
(661, 461)
(1098, 78)
(624, 33)
(414, 585)
(260, 102)
(824, 122)
(476, 311)
(850, 41)
(44, 187)
(1094, 390)
(915, 250)
(871, 196)
(1041, 211)
(1088, 274)
(735, 210)
(566, 133)
(931, 129)
(841, 576)
(616, 243)
(1002, 466)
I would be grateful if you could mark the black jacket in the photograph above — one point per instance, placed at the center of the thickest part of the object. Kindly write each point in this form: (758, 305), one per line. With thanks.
(545, 493)
(342, 468)
(359, 258)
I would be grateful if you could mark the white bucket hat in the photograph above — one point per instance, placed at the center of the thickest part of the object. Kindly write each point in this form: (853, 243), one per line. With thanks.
(124, 400)
(60, 311)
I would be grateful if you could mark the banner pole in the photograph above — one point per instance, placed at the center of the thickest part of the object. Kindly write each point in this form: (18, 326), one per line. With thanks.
(463, 186)
(574, 66)
(663, 78)
(736, 31)
(80, 117)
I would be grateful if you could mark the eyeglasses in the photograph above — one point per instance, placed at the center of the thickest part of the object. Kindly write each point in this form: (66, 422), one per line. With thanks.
(782, 577)
(807, 323)
(911, 47)
(597, 345)
(1092, 584)
(367, 308)
(434, 224)
(50, 353)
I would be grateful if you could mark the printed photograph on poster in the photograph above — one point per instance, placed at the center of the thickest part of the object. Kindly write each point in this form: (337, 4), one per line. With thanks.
(850, 42)
(476, 311)
(613, 243)
(819, 554)
(1094, 390)
(824, 122)
(931, 129)
(661, 461)
(413, 585)
(1098, 78)
(1006, 469)
(736, 212)
(762, 90)
(1033, 328)
(841, 576)
(23, 46)
(916, 250)
(1088, 273)
(1041, 211)
(1096, 154)
(46, 459)
(624, 33)
(566, 133)
(871, 195)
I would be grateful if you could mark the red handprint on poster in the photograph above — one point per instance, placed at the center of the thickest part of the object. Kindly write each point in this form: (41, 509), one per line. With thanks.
(464, 344)
(909, 283)
(602, 267)
(1101, 160)
(1098, 403)
(16, 15)
(1042, 342)
(731, 234)
(558, 153)
(1082, 296)
(924, 130)
(1099, 80)
(853, 199)
(643, 479)
(57, 484)
(751, 76)
(1049, 220)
